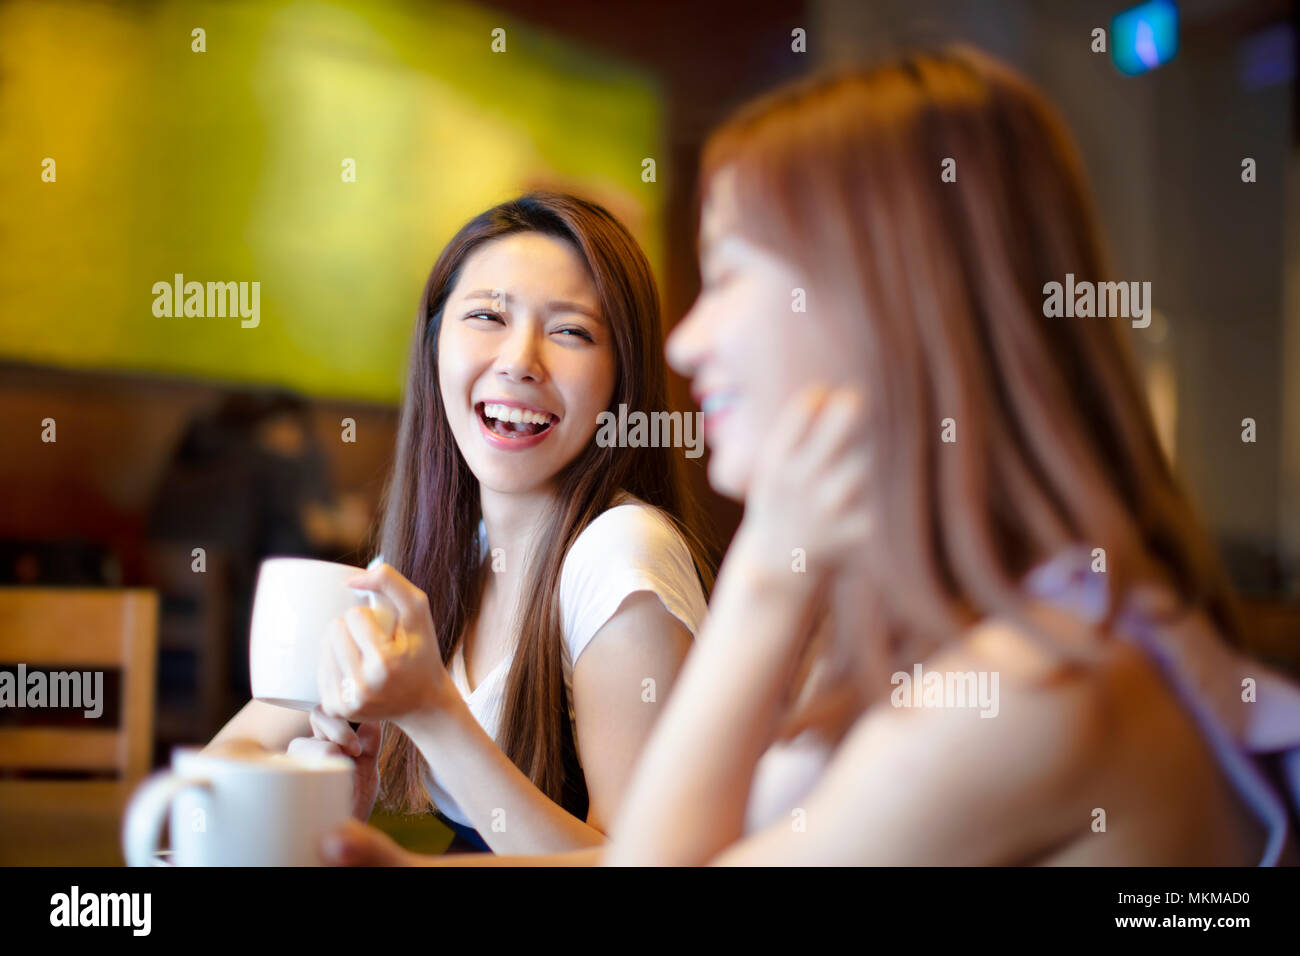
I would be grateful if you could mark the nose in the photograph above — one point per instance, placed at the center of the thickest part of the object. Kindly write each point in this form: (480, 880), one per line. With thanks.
(686, 346)
(520, 358)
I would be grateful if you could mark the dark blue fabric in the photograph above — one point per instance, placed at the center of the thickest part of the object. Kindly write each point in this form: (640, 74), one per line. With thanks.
(465, 834)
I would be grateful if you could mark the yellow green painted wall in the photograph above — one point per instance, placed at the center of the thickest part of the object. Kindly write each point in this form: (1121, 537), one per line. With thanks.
(226, 165)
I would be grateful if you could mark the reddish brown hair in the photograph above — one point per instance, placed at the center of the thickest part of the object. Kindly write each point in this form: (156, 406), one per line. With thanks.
(431, 512)
(841, 174)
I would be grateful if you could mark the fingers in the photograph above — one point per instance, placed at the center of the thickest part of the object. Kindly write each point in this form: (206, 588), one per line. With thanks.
(844, 485)
(794, 422)
(351, 662)
(411, 603)
(314, 747)
(337, 731)
(811, 489)
(840, 428)
(817, 427)
(346, 653)
(842, 492)
(328, 675)
(365, 639)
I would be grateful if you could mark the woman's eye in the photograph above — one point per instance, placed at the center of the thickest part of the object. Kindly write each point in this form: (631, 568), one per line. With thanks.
(487, 316)
(576, 333)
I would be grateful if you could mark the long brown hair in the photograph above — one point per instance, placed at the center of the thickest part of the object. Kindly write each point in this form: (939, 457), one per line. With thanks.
(841, 173)
(431, 513)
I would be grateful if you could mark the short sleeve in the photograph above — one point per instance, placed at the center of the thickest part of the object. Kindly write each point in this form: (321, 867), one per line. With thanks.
(628, 548)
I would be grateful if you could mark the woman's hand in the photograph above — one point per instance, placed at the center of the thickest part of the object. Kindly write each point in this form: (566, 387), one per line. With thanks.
(807, 503)
(354, 844)
(332, 736)
(366, 674)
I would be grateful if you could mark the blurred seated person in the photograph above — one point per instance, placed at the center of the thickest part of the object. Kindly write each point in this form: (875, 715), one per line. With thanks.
(249, 480)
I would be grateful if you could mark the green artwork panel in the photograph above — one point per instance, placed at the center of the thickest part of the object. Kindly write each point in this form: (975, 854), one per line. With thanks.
(232, 165)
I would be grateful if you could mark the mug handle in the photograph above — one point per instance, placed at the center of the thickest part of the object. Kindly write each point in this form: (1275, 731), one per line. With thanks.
(142, 826)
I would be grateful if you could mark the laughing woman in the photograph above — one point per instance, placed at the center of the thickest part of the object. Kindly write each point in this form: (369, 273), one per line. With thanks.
(548, 586)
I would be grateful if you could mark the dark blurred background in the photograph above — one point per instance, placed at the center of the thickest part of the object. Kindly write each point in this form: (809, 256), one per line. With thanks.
(176, 434)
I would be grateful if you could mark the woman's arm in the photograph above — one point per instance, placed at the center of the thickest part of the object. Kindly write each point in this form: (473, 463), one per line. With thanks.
(806, 501)
(372, 675)
(944, 786)
(642, 640)
(260, 727)
(688, 795)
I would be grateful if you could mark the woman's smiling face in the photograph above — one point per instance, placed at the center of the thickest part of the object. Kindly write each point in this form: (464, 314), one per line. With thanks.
(525, 360)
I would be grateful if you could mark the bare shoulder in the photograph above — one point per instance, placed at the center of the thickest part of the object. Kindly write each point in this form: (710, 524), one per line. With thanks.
(1096, 762)
(1001, 699)
(987, 761)
(1015, 770)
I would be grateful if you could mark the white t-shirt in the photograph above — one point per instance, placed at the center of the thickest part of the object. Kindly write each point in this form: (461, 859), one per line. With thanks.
(628, 548)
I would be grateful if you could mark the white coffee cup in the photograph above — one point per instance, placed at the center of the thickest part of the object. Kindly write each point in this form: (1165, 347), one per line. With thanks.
(293, 605)
(267, 809)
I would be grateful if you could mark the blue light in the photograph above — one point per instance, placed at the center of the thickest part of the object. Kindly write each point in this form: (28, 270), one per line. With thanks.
(1144, 37)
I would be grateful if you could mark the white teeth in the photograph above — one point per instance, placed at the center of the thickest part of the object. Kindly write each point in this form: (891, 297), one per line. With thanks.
(507, 414)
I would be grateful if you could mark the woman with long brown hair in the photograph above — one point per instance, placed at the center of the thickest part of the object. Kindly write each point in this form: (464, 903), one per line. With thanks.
(548, 584)
(956, 507)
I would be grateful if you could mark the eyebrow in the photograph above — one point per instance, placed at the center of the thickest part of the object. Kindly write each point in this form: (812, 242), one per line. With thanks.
(555, 305)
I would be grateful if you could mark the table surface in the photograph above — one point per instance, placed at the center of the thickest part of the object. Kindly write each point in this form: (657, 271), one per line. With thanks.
(79, 823)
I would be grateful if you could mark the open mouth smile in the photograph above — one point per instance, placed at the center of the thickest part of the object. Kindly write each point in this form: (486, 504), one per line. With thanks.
(512, 426)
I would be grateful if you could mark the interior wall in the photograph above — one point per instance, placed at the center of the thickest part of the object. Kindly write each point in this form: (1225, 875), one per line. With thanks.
(1164, 154)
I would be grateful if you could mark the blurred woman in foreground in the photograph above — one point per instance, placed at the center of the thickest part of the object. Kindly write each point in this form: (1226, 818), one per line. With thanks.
(979, 497)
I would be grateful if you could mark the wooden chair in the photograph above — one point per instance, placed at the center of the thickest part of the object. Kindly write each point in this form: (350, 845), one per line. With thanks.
(52, 822)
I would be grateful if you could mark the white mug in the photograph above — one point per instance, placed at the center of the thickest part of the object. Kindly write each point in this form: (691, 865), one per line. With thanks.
(293, 605)
(259, 809)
